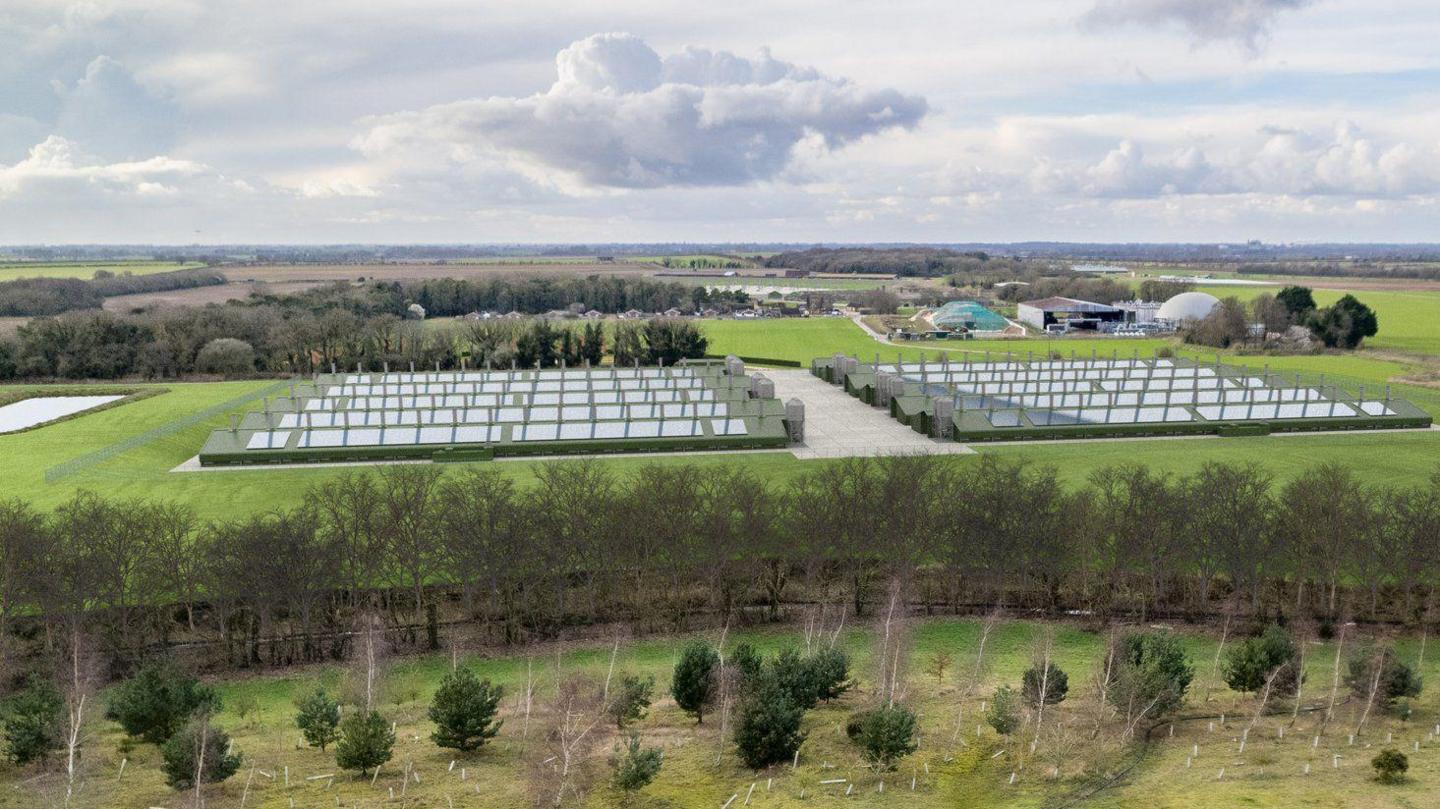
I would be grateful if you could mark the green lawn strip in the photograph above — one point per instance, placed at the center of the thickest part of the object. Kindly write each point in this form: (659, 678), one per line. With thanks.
(10, 271)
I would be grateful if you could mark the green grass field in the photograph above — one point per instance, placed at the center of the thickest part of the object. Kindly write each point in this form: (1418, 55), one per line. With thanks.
(85, 270)
(955, 765)
(1389, 458)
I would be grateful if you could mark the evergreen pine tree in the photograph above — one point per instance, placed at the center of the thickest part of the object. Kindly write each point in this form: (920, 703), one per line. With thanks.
(366, 741)
(318, 719)
(464, 711)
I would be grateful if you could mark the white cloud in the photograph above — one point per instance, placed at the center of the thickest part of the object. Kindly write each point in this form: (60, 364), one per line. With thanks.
(113, 115)
(620, 116)
(1248, 22)
(56, 166)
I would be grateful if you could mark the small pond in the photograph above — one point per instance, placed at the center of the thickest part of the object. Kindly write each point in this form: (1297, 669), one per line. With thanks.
(42, 409)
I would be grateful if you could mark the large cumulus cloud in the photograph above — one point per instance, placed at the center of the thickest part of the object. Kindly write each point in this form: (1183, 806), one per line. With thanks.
(1248, 22)
(619, 115)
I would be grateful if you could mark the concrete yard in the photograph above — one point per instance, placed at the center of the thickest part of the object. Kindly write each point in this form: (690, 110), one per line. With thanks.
(837, 425)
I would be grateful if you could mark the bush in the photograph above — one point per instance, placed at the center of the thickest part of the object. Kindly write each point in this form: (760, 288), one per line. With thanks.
(1397, 680)
(693, 684)
(365, 741)
(885, 735)
(318, 719)
(1251, 662)
(183, 751)
(1344, 325)
(636, 766)
(797, 677)
(767, 730)
(32, 721)
(1003, 712)
(226, 356)
(158, 700)
(464, 711)
(1151, 672)
(830, 671)
(631, 698)
(1390, 766)
(1051, 679)
(747, 662)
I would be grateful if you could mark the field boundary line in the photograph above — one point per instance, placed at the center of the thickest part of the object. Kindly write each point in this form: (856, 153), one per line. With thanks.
(65, 469)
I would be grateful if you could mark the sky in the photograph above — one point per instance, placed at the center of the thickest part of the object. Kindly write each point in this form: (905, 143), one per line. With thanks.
(469, 121)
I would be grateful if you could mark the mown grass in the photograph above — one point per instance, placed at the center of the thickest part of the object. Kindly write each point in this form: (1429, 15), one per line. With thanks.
(955, 765)
(144, 472)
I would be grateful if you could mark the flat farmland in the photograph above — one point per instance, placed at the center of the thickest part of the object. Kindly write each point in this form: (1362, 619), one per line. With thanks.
(85, 270)
(202, 296)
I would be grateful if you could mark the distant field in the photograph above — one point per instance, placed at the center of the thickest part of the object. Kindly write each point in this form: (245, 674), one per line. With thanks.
(201, 296)
(9, 271)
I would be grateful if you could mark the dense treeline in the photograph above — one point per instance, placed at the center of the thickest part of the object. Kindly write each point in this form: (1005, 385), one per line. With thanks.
(279, 337)
(926, 262)
(610, 294)
(665, 548)
(1082, 287)
(33, 297)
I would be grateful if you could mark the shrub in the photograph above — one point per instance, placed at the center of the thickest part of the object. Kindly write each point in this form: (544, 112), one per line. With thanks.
(318, 718)
(1397, 680)
(1151, 672)
(830, 671)
(1003, 712)
(936, 665)
(747, 662)
(158, 700)
(797, 677)
(767, 730)
(631, 698)
(1051, 679)
(32, 721)
(183, 752)
(246, 705)
(464, 711)
(693, 684)
(885, 735)
(1251, 662)
(1344, 325)
(1390, 765)
(226, 356)
(365, 741)
(636, 766)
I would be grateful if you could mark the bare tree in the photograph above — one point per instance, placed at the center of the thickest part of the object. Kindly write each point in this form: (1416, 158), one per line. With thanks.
(562, 767)
(408, 530)
(78, 677)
